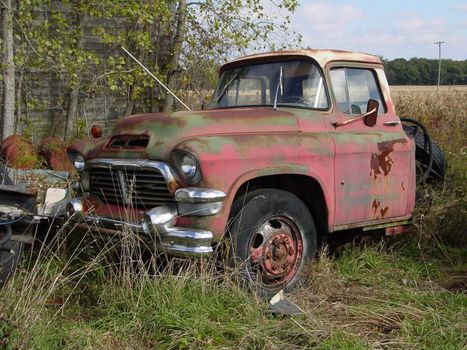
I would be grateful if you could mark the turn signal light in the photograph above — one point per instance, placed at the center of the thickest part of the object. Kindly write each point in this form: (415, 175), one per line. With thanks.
(96, 131)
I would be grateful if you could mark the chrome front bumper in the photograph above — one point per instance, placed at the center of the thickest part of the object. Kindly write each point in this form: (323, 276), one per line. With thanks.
(160, 222)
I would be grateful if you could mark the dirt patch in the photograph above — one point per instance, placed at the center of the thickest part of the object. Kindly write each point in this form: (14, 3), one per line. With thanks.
(455, 283)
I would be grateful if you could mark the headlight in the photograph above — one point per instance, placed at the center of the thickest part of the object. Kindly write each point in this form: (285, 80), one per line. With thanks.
(187, 166)
(77, 160)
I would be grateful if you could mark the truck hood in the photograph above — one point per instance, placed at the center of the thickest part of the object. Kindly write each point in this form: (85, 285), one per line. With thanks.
(166, 130)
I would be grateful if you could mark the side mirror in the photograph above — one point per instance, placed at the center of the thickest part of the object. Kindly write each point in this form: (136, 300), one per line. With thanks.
(371, 113)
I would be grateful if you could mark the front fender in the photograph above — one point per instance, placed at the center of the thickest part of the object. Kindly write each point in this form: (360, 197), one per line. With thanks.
(227, 162)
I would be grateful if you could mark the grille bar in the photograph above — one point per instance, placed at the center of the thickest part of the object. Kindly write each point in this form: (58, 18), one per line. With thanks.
(140, 188)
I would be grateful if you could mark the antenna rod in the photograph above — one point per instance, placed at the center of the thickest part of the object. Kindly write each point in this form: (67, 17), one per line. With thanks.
(155, 78)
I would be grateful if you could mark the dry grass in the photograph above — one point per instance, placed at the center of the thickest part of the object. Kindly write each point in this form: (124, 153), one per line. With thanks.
(443, 112)
(426, 88)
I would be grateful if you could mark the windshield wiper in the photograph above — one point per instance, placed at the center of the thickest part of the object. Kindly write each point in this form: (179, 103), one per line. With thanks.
(279, 85)
(224, 89)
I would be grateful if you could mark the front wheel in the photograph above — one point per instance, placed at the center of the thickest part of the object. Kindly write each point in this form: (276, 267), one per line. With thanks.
(273, 236)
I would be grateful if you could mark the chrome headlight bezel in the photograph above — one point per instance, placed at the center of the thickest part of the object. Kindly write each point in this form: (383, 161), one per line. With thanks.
(78, 160)
(187, 166)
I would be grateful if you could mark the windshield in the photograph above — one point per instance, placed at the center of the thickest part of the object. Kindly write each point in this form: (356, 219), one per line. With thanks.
(288, 83)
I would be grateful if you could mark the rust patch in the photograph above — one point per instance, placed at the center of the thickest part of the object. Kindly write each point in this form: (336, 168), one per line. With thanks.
(384, 211)
(173, 186)
(375, 205)
(381, 162)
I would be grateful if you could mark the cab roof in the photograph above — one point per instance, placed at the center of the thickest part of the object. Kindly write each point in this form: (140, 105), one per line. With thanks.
(322, 57)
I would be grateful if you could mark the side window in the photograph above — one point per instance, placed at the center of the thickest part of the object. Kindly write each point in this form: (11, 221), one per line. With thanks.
(361, 86)
(339, 86)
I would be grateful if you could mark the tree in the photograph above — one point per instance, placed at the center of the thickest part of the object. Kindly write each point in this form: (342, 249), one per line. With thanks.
(179, 37)
(8, 110)
(423, 71)
(183, 42)
(174, 38)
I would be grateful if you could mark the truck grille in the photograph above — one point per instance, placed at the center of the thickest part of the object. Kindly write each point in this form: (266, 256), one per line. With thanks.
(142, 189)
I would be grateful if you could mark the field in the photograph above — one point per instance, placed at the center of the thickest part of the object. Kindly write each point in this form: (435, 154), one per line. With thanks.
(403, 292)
(424, 88)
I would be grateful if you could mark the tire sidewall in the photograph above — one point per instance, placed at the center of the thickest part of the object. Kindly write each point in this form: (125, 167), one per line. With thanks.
(254, 210)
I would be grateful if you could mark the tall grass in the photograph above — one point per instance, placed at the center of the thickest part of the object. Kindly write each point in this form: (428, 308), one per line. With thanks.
(444, 113)
(441, 213)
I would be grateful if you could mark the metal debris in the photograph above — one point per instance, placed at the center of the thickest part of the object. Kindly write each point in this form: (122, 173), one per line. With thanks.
(279, 304)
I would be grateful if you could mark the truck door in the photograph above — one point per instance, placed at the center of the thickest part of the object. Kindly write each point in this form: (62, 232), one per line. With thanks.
(374, 165)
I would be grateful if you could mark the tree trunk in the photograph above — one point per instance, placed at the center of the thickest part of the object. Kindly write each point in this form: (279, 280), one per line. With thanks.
(176, 51)
(19, 94)
(74, 89)
(8, 110)
(130, 103)
(72, 108)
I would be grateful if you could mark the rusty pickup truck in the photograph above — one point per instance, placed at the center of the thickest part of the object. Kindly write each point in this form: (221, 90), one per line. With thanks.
(294, 146)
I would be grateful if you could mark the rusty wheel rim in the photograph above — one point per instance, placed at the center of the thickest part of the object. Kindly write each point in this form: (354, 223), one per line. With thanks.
(275, 252)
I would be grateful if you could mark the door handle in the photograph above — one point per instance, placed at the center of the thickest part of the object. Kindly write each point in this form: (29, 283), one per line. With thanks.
(392, 123)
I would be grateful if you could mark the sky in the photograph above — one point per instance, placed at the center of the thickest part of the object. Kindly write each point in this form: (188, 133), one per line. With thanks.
(391, 29)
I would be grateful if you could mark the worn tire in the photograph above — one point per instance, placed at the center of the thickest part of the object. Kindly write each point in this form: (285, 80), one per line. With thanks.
(422, 153)
(10, 254)
(273, 235)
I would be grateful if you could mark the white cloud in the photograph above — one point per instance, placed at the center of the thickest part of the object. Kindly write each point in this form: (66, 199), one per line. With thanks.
(322, 20)
(403, 34)
(461, 8)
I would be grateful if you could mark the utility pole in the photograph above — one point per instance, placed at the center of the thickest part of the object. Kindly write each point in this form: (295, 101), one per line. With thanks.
(439, 64)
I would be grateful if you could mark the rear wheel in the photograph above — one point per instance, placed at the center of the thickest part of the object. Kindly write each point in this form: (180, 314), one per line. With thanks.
(438, 168)
(430, 159)
(273, 234)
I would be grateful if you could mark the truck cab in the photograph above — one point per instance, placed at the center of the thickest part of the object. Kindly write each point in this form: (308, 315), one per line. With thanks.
(295, 145)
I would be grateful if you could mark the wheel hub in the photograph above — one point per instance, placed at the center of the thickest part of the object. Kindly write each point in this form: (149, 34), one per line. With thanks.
(279, 253)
